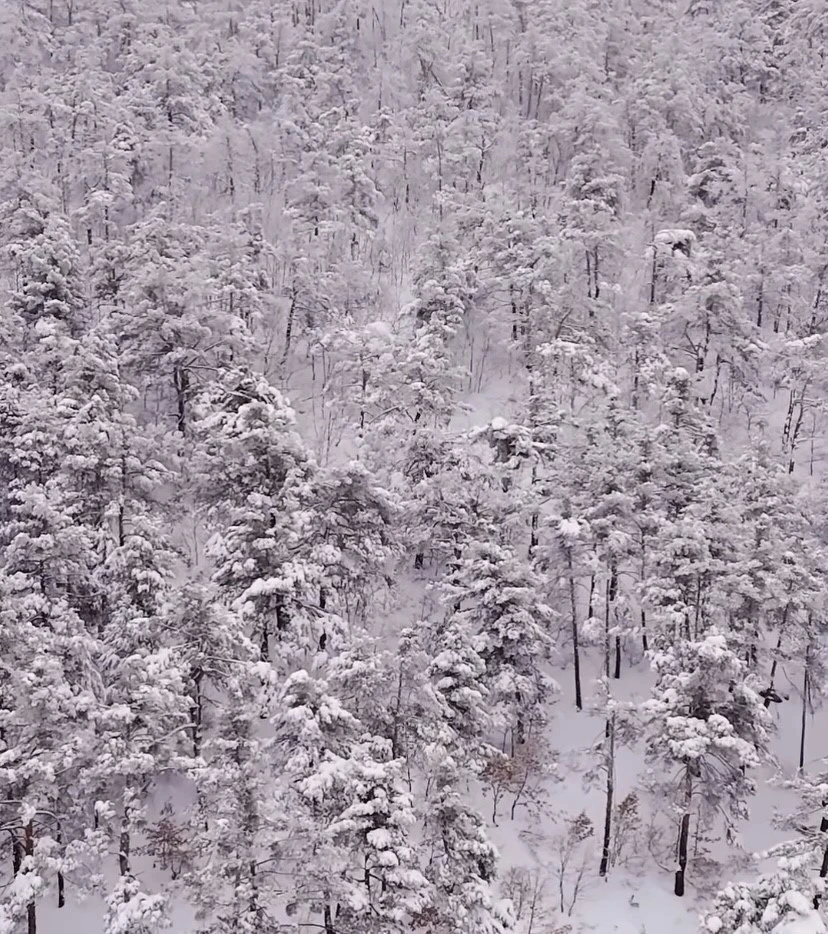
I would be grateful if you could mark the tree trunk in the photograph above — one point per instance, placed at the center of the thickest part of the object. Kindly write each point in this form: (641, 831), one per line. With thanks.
(31, 908)
(775, 662)
(61, 882)
(395, 735)
(282, 613)
(610, 767)
(684, 834)
(124, 845)
(197, 710)
(806, 690)
(289, 326)
(576, 651)
(611, 594)
(17, 853)
(823, 869)
(181, 381)
(520, 726)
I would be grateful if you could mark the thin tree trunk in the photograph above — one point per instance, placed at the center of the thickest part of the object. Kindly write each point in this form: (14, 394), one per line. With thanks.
(684, 835)
(181, 381)
(197, 710)
(61, 882)
(775, 662)
(289, 326)
(31, 907)
(395, 736)
(576, 650)
(533, 527)
(610, 767)
(17, 853)
(124, 845)
(611, 594)
(823, 869)
(806, 690)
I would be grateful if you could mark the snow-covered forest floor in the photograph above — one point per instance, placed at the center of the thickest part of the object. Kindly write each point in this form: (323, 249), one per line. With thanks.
(412, 466)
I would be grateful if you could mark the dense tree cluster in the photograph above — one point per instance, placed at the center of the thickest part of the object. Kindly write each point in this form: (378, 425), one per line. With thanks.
(382, 384)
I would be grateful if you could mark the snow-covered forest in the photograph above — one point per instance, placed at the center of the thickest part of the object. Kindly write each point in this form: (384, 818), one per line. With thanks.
(413, 504)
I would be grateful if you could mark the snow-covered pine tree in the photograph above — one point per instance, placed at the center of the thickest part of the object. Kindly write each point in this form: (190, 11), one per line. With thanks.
(496, 598)
(706, 720)
(253, 475)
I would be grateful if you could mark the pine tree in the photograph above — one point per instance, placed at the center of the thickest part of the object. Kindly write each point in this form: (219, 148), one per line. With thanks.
(253, 475)
(706, 720)
(495, 595)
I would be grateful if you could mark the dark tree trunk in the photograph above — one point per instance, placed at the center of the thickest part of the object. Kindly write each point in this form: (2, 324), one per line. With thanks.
(31, 908)
(520, 726)
(61, 882)
(611, 593)
(610, 766)
(775, 663)
(823, 869)
(576, 651)
(806, 691)
(289, 326)
(282, 613)
(124, 846)
(197, 710)
(684, 836)
(17, 853)
(181, 380)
